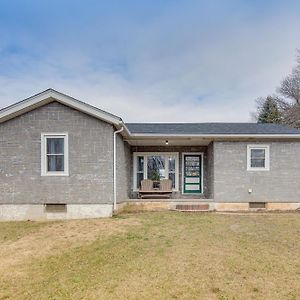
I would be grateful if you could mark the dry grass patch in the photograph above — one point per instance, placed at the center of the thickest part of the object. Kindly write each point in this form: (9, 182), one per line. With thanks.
(162, 255)
(37, 240)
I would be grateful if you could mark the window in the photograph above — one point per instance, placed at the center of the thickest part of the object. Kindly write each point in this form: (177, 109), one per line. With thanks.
(155, 166)
(172, 169)
(140, 170)
(54, 149)
(258, 158)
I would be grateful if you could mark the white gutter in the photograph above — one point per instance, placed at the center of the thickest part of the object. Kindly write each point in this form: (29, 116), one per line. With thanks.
(115, 166)
(157, 135)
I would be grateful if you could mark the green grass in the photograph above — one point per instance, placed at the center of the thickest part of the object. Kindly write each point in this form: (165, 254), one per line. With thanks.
(167, 255)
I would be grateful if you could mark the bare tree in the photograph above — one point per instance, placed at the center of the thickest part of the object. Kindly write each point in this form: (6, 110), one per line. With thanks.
(292, 116)
(285, 106)
(290, 86)
(290, 90)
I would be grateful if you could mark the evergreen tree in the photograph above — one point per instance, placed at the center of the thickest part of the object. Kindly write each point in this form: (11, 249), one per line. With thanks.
(268, 111)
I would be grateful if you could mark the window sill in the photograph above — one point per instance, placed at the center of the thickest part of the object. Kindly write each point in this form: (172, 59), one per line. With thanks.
(55, 174)
(258, 170)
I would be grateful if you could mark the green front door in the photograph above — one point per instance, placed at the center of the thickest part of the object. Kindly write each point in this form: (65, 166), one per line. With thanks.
(192, 173)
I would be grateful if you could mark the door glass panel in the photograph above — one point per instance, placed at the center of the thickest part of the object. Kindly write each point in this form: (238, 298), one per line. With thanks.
(192, 166)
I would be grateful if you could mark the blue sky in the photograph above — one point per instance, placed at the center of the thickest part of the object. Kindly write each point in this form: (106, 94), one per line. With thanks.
(160, 61)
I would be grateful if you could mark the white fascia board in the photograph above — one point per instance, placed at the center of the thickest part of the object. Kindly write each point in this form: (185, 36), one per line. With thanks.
(47, 97)
(137, 136)
(230, 136)
(86, 108)
(23, 106)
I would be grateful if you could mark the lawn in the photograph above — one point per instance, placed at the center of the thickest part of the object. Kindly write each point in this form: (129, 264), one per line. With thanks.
(157, 255)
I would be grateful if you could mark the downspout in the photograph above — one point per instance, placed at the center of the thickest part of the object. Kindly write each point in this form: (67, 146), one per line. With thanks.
(115, 167)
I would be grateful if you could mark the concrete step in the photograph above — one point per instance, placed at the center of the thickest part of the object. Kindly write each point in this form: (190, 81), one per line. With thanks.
(193, 207)
(182, 205)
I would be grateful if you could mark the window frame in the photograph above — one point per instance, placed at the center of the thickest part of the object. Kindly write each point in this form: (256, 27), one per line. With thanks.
(267, 157)
(145, 155)
(44, 170)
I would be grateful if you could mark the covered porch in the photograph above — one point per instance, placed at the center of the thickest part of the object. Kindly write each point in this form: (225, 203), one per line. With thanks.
(187, 163)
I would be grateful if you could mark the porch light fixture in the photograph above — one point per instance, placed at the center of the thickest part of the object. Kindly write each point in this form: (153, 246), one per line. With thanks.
(167, 142)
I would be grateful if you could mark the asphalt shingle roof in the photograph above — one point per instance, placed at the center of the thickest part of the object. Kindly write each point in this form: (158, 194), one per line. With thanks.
(209, 128)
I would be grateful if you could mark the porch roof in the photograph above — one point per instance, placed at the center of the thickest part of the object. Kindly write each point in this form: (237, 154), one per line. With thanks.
(152, 134)
(210, 129)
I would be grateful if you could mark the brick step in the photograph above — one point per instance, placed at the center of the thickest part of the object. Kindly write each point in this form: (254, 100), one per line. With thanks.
(192, 207)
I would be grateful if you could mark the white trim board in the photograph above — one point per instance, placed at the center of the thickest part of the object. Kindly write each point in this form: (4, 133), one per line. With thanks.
(51, 95)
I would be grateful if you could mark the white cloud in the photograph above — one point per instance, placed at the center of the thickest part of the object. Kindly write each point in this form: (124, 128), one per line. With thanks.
(160, 72)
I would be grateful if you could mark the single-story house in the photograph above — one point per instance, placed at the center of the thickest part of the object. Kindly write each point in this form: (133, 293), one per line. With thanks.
(63, 158)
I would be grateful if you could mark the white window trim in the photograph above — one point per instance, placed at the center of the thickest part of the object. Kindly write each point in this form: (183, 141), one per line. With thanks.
(267, 157)
(44, 137)
(165, 154)
(182, 172)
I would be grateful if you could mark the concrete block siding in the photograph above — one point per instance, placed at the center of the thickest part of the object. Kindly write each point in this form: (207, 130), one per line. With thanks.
(232, 180)
(90, 157)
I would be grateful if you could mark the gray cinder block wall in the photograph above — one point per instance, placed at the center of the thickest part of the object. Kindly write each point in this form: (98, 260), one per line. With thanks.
(90, 158)
(232, 180)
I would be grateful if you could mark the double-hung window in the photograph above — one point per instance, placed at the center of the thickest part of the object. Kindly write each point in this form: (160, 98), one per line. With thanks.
(155, 166)
(54, 150)
(258, 157)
